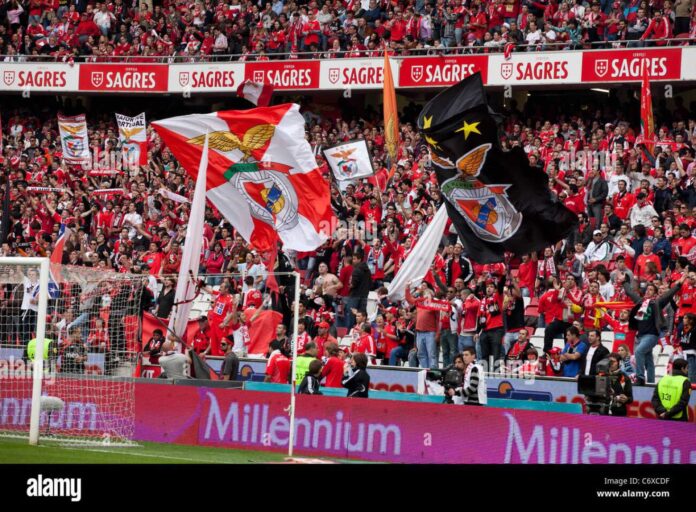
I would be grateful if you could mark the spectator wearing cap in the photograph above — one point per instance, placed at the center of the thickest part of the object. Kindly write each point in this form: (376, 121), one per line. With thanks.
(642, 212)
(323, 337)
(599, 249)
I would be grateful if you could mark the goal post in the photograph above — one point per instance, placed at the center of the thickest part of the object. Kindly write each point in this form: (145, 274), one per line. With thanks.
(68, 347)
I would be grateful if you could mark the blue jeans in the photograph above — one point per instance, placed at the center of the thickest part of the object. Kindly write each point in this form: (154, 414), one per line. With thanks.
(691, 359)
(351, 303)
(397, 354)
(427, 349)
(644, 356)
(465, 341)
(448, 343)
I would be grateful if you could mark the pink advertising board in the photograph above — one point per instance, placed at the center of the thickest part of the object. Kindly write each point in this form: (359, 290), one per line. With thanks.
(404, 432)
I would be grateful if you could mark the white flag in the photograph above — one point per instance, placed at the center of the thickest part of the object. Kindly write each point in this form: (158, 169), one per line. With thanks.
(132, 132)
(420, 258)
(190, 259)
(74, 139)
(350, 160)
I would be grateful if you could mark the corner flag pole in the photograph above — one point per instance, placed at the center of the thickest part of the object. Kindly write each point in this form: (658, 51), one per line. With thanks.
(295, 322)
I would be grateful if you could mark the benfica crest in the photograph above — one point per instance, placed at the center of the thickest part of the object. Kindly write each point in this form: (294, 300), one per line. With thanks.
(346, 164)
(265, 185)
(271, 197)
(485, 208)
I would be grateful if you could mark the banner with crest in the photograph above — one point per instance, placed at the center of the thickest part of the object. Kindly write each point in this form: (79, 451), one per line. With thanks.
(74, 139)
(132, 132)
(350, 160)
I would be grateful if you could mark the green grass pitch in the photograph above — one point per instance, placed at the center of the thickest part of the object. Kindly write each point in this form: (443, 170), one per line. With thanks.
(18, 451)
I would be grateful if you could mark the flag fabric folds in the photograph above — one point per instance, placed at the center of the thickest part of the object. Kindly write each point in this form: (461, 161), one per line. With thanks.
(132, 132)
(262, 175)
(496, 201)
(350, 160)
(190, 258)
(74, 139)
(420, 258)
(256, 93)
(647, 123)
(391, 113)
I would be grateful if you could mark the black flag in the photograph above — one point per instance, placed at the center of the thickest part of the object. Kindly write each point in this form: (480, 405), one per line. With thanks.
(495, 199)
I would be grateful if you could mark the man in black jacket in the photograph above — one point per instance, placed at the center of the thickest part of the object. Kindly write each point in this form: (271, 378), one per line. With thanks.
(595, 353)
(599, 190)
(360, 283)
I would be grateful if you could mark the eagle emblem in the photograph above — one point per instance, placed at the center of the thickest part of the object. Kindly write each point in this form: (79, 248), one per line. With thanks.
(129, 133)
(347, 165)
(485, 208)
(254, 139)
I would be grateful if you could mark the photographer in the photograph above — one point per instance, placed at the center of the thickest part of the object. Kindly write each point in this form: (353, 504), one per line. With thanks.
(452, 380)
(473, 387)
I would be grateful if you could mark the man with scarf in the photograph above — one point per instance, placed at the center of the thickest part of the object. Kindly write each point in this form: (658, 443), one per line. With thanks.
(567, 305)
(646, 318)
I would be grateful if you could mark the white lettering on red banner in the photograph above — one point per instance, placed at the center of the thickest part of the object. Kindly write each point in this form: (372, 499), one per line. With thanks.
(357, 73)
(619, 66)
(120, 78)
(285, 75)
(438, 71)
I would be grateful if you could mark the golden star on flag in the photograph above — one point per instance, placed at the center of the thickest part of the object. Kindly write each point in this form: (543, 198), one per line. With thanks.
(468, 129)
(432, 142)
(427, 121)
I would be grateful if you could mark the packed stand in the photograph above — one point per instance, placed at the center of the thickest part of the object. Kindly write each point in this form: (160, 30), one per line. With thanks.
(634, 246)
(234, 30)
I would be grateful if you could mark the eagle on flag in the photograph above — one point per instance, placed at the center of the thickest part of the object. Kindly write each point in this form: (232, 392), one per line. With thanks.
(262, 175)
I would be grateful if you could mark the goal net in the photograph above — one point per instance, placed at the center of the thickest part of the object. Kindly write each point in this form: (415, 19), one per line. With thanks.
(78, 387)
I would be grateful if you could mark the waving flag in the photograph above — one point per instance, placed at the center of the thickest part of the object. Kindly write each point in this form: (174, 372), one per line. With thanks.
(256, 93)
(56, 262)
(262, 175)
(391, 114)
(132, 132)
(496, 201)
(647, 122)
(420, 258)
(350, 160)
(74, 139)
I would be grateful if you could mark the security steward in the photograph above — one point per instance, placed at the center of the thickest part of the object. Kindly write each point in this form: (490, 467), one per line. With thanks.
(671, 397)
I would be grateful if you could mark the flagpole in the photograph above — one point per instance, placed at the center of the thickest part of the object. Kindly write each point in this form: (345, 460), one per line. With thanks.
(295, 322)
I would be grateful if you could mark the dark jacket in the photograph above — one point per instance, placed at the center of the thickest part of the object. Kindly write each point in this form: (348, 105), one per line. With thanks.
(360, 281)
(358, 384)
(465, 265)
(621, 385)
(601, 353)
(656, 305)
(600, 190)
(309, 386)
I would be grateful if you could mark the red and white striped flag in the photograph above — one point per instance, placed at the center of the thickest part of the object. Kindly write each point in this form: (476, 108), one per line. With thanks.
(262, 175)
(257, 93)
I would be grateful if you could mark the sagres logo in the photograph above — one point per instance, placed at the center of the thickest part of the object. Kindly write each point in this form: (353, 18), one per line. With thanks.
(506, 70)
(97, 78)
(184, 78)
(417, 73)
(8, 77)
(334, 75)
(601, 67)
(45, 487)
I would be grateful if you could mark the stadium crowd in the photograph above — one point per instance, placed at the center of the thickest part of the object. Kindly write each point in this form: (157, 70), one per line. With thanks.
(209, 29)
(634, 244)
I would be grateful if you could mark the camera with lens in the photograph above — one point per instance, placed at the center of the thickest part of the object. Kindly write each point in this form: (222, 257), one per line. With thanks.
(448, 378)
(597, 389)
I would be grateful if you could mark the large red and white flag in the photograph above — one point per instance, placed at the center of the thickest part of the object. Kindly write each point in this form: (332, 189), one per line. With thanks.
(74, 139)
(262, 175)
(255, 92)
(132, 132)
